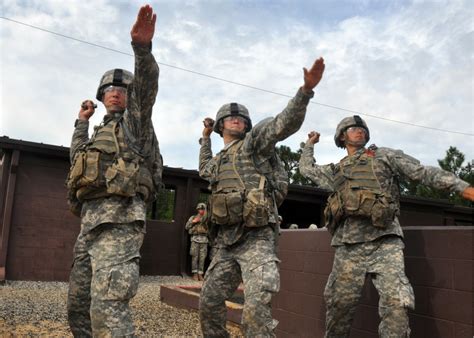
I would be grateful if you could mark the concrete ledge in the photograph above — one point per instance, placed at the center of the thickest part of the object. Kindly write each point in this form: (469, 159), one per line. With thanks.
(187, 297)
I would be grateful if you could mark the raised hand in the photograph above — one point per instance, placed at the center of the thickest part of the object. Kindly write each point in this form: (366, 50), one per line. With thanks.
(314, 75)
(208, 125)
(468, 193)
(313, 137)
(87, 110)
(144, 28)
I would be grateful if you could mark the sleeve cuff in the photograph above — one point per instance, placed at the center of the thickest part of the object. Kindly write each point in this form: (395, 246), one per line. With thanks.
(303, 97)
(141, 49)
(462, 186)
(204, 141)
(81, 124)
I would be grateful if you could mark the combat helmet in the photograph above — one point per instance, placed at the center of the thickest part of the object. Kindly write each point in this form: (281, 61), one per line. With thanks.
(114, 77)
(232, 109)
(351, 121)
(200, 206)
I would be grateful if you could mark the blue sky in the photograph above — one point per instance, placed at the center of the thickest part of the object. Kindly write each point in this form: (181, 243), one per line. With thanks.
(409, 61)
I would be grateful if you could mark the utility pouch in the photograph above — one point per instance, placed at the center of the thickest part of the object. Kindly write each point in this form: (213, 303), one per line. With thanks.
(76, 170)
(91, 169)
(366, 203)
(359, 202)
(333, 212)
(382, 214)
(75, 206)
(121, 178)
(226, 207)
(257, 206)
(145, 183)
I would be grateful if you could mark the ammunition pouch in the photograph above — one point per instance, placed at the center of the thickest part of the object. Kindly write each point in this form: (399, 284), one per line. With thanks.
(146, 187)
(362, 203)
(257, 206)
(84, 180)
(121, 178)
(334, 212)
(105, 166)
(75, 206)
(85, 170)
(366, 203)
(94, 174)
(227, 208)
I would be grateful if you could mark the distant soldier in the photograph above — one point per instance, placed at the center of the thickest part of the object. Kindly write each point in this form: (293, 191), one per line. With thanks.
(362, 217)
(293, 226)
(246, 188)
(113, 176)
(312, 227)
(197, 228)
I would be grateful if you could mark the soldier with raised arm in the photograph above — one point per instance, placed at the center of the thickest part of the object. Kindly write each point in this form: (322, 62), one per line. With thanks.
(246, 188)
(113, 175)
(362, 217)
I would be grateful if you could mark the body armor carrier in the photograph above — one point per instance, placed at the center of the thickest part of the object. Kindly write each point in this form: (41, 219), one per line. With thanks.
(200, 228)
(240, 195)
(359, 193)
(108, 166)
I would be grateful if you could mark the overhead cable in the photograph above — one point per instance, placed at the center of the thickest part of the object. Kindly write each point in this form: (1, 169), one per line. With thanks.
(237, 83)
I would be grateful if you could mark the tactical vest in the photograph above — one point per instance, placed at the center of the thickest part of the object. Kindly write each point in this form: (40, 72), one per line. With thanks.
(108, 166)
(200, 228)
(359, 193)
(239, 194)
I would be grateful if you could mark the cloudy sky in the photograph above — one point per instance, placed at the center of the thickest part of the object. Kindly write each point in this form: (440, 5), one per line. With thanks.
(409, 61)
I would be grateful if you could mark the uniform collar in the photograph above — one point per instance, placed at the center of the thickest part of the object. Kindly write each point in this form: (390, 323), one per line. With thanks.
(110, 117)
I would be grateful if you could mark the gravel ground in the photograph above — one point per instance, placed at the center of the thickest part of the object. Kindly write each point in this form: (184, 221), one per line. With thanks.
(39, 308)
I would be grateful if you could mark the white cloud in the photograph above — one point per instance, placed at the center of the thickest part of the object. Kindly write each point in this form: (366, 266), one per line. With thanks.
(411, 63)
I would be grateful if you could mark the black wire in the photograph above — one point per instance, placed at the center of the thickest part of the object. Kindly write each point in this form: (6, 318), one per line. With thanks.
(237, 83)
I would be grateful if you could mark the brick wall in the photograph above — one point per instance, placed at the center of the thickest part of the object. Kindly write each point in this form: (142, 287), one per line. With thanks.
(439, 264)
(43, 230)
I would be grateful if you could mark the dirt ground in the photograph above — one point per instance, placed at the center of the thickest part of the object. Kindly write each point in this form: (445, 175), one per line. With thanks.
(39, 309)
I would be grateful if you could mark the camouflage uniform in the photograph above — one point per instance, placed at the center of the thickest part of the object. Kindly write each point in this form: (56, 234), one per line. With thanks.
(364, 249)
(243, 253)
(199, 243)
(105, 271)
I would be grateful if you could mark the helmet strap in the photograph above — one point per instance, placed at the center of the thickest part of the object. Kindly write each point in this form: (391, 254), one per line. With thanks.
(234, 109)
(118, 76)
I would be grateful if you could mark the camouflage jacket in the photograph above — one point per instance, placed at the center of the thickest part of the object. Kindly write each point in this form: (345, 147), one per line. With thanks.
(141, 98)
(389, 164)
(261, 143)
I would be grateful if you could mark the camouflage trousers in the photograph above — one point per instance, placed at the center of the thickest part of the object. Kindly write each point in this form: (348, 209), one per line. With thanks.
(382, 260)
(198, 254)
(254, 262)
(104, 277)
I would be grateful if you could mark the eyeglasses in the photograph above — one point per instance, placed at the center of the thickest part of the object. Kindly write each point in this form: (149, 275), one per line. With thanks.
(235, 117)
(121, 90)
(356, 129)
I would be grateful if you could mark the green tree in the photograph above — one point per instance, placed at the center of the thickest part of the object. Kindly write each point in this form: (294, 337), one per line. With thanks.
(291, 159)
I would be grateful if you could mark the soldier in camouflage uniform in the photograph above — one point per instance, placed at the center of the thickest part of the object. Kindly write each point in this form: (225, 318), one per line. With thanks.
(112, 177)
(362, 216)
(243, 208)
(197, 228)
